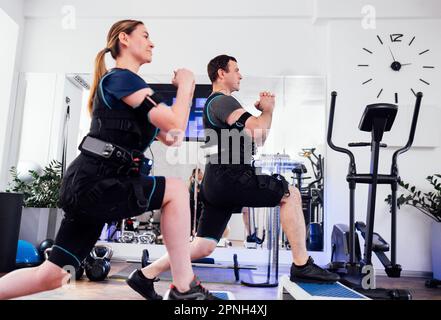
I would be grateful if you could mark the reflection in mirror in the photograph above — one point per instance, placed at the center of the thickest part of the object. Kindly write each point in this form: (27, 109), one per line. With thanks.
(297, 132)
(37, 123)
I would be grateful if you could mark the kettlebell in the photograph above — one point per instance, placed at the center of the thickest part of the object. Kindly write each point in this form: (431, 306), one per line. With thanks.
(97, 264)
(45, 244)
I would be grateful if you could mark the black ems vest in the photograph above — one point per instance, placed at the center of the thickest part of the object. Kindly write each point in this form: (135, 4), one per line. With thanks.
(226, 144)
(128, 128)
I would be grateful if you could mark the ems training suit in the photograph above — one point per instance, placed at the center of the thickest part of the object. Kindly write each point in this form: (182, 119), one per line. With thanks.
(96, 190)
(230, 182)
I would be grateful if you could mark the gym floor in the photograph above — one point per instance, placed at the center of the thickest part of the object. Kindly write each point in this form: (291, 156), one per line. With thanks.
(116, 289)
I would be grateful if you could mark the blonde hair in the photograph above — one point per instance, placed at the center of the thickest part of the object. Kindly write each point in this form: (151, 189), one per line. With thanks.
(126, 26)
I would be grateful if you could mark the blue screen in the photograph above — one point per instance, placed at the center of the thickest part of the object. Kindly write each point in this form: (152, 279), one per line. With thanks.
(195, 127)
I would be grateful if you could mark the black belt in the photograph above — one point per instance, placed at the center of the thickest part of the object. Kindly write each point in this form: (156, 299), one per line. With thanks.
(129, 161)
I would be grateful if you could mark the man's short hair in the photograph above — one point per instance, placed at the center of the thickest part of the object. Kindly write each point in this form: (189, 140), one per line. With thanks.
(219, 62)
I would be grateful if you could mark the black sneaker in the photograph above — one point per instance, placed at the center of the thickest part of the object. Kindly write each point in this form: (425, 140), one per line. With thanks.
(312, 273)
(196, 292)
(144, 286)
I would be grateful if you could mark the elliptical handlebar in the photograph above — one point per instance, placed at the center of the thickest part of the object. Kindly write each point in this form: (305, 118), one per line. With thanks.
(319, 174)
(409, 143)
(352, 168)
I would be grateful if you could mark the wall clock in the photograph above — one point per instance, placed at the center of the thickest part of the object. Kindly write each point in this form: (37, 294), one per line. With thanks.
(398, 55)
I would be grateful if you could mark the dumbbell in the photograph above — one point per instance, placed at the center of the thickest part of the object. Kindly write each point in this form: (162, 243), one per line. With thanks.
(128, 237)
(147, 237)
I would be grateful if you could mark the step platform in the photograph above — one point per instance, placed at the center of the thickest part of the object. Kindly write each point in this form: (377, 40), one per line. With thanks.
(224, 295)
(288, 290)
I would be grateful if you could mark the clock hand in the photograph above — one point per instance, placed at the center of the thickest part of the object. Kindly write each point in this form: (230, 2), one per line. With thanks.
(392, 54)
(405, 64)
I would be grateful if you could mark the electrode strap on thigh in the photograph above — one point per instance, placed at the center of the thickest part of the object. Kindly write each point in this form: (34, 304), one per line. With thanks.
(271, 183)
(285, 184)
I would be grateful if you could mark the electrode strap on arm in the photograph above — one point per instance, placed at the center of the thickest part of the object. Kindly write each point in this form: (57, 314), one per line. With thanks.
(152, 101)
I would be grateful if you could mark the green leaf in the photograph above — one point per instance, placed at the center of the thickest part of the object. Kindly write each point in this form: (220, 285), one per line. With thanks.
(428, 202)
(43, 190)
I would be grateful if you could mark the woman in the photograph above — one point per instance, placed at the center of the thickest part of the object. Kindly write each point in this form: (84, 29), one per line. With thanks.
(109, 180)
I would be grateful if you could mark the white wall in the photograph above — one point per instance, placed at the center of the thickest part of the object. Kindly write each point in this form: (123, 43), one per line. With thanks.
(14, 9)
(256, 46)
(37, 117)
(277, 39)
(389, 9)
(7, 58)
(346, 40)
(11, 20)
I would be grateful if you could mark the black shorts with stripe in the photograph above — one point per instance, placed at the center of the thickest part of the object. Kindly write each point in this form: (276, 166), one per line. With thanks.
(223, 193)
(84, 221)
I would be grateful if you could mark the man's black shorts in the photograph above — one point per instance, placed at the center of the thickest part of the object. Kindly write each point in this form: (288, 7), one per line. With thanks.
(228, 188)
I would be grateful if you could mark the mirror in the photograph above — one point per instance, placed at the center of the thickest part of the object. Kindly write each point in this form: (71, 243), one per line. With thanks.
(298, 132)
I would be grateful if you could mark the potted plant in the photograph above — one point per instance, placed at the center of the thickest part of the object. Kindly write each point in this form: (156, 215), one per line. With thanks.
(429, 203)
(40, 213)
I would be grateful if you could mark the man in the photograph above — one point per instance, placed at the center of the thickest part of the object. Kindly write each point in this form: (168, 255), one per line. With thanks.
(230, 182)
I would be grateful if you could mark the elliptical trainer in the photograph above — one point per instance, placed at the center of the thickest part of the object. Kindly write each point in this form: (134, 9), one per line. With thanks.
(346, 254)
